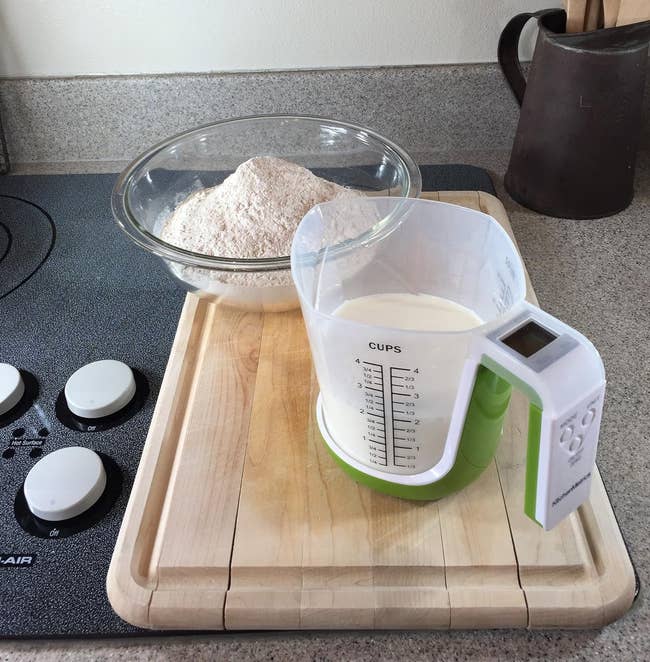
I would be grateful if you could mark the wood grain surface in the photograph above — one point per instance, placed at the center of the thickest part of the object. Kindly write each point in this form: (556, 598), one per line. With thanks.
(576, 11)
(610, 12)
(633, 11)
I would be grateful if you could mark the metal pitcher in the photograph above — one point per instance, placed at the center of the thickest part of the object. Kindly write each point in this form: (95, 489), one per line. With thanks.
(581, 111)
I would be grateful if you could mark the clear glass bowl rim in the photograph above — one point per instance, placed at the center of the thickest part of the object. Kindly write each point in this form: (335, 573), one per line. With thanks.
(128, 222)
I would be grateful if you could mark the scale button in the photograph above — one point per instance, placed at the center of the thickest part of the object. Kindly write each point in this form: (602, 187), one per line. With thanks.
(576, 443)
(11, 387)
(100, 389)
(65, 483)
(588, 418)
(566, 435)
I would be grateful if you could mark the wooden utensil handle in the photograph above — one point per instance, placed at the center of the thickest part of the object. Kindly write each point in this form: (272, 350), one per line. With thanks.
(575, 15)
(610, 11)
(633, 11)
(593, 17)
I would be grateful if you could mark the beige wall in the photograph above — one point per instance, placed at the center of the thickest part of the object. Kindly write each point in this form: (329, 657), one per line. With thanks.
(77, 37)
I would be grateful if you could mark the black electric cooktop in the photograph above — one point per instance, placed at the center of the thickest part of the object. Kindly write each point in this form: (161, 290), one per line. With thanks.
(73, 290)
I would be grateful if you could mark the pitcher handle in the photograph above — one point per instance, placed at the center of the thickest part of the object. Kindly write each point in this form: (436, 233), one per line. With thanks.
(508, 52)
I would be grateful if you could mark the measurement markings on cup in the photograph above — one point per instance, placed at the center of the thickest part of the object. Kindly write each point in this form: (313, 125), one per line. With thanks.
(375, 410)
(402, 444)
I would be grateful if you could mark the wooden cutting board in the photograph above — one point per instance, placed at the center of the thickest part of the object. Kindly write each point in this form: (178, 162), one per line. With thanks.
(239, 518)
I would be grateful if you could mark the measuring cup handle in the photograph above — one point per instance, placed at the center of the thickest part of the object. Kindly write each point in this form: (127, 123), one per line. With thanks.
(508, 52)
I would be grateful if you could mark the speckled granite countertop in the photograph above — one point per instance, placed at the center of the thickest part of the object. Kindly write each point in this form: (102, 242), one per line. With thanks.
(595, 275)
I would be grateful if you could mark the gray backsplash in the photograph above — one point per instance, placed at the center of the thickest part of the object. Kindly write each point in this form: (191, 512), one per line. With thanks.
(116, 117)
(113, 118)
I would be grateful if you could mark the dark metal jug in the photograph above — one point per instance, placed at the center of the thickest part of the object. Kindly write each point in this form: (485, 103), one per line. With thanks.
(581, 112)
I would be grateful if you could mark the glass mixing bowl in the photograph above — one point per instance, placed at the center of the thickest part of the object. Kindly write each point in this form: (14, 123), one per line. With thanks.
(149, 190)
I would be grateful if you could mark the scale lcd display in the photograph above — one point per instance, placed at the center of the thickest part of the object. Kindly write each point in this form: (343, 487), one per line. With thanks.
(529, 339)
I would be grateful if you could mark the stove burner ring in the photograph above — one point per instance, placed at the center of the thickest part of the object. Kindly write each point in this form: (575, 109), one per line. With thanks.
(23, 233)
(10, 240)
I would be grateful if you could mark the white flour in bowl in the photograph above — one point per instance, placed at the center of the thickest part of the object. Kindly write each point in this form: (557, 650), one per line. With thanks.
(253, 213)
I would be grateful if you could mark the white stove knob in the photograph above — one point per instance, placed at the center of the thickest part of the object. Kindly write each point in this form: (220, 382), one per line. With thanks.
(11, 387)
(100, 389)
(65, 483)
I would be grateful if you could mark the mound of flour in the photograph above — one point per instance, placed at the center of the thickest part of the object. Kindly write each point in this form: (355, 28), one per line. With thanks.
(253, 213)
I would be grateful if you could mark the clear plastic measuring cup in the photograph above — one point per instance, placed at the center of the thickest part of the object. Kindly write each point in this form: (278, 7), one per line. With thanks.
(388, 394)
(419, 413)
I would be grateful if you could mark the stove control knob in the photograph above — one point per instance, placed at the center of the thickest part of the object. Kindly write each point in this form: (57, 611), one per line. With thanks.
(65, 483)
(11, 387)
(100, 389)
